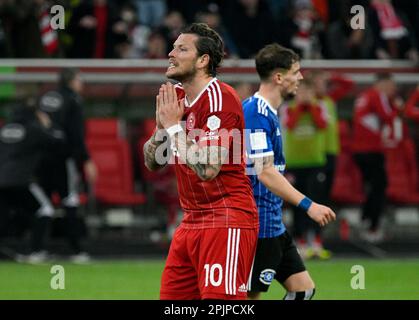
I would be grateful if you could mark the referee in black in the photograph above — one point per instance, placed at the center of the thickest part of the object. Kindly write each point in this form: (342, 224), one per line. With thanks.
(60, 171)
(23, 141)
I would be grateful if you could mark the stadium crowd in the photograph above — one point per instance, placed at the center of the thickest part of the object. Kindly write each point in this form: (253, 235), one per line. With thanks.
(315, 29)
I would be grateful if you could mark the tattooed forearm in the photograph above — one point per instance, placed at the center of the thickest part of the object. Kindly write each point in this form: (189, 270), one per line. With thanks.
(206, 162)
(149, 151)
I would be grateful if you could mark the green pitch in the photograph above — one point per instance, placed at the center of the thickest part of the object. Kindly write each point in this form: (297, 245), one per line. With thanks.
(384, 279)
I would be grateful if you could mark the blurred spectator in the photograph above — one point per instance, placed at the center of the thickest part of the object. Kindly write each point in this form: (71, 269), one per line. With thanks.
(59, 171)
(151, 12)
(250, 24)
(189, 8)
(135, 44)
(96, 30)
(301, 31)
(23, 142)
(329, 89)
(171, 28)
(28, 29)
(157, 46)
(243, 89)
(161, 184)
(343, 42)
(304, 122)
(374, 108)
(278, 8)
(412, 105)
(394, 37)
(211, 16)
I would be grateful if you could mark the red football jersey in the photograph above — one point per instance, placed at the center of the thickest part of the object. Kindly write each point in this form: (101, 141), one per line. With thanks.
(215, 117)
(372, 111)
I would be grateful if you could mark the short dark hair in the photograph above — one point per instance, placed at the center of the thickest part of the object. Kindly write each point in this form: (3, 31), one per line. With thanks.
(209, 42)
(66, 76)
(272, 57)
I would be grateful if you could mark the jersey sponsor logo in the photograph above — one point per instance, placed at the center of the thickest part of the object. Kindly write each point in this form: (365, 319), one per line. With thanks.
(12, 133)
(51, 102)
(213, 123)
(258, 141)
(267, 276)
(190, 121)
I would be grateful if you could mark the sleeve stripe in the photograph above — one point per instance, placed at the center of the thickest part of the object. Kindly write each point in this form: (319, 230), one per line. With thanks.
(215, 97)
(214, 94)
(262, 108)
(210, 100)
(260, 154)
(219, 95)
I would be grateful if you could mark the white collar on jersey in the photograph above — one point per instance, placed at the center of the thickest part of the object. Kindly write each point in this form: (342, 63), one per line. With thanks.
(257, 95)
(189, 105)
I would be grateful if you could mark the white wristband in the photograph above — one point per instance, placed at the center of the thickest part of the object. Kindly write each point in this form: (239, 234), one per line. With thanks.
(174, 129)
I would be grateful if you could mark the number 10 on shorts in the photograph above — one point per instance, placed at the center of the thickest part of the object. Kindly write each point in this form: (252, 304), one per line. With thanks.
(210, 274)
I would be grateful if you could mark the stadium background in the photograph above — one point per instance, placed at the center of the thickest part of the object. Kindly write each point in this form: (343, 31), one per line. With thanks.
(126, 233)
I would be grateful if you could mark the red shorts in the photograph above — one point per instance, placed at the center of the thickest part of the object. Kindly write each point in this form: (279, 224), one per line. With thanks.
(209, 264)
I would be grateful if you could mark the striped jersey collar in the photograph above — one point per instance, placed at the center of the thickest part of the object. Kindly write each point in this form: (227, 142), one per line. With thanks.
(189, 105)
(258, 96)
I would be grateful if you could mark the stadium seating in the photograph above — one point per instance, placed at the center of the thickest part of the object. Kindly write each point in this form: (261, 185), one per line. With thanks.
(113, 158)
(104, 129)
(402, 173)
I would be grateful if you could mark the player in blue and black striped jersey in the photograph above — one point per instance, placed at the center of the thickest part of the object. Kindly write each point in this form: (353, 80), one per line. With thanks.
(276, 255)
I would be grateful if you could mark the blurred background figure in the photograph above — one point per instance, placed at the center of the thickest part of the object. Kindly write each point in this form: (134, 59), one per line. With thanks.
(24, 140)
(27, 27)
(305, 122)
(151, 12)
(394, 36)
(374, 108)
(134, 36)
(161, 186)
(59, 171)
(244, 90)
(96, 30)
(251, 25)
(329, 89)
(171, 27)
(412, 105)
(211, 16)
(344, 42)
(301, 30)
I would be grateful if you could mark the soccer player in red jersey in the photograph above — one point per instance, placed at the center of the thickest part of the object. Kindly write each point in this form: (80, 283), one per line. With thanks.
(212, 250)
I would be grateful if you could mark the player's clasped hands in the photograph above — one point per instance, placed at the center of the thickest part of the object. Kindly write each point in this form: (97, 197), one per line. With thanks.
(321, 214)
(169, 110)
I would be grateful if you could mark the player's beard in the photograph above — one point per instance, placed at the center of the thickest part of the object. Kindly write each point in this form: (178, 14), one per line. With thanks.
(184, 77)
(288, 95)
